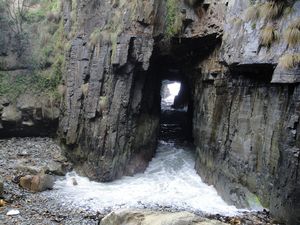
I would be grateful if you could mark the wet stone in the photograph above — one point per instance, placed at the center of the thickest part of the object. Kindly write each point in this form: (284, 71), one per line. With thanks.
(1, 186)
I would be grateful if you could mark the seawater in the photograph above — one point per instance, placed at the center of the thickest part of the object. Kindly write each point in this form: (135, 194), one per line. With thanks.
(170, 181)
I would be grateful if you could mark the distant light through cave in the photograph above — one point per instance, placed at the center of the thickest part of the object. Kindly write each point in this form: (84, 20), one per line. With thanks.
(174, 88)
(169, 91)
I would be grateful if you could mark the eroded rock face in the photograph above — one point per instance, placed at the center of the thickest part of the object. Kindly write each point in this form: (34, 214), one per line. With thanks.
(246, 133)
(156, 218)
(110, 123)
(111, 115)
(28, 116)
(242, 38)
(245, 126)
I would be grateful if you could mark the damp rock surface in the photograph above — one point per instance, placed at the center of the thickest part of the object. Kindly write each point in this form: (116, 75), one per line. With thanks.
(155, 218)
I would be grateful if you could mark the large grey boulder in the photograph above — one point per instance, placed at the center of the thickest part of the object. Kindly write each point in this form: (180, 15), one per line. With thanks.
(127, 217)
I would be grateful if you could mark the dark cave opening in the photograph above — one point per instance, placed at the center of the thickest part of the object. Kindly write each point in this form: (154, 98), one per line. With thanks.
(177, 60)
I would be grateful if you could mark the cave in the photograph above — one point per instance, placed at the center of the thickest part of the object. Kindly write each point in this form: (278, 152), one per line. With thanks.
(175, 120)
(95, 76)
(177, 62)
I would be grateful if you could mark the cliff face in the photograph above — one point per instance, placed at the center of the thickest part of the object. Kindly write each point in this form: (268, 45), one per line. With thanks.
(111, 117)
(245, 104)
(246, 117)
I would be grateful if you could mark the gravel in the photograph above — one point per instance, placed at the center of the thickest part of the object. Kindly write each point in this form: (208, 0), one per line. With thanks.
(35, 208)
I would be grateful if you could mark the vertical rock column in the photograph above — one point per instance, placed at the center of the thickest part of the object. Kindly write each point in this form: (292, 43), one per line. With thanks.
(111, 113)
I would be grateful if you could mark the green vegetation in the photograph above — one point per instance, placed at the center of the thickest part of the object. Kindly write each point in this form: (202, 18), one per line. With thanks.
(85, 89)
(103, 36)
(268, 36)
(95, 36)
(48, 55)
(289, 61)
(237, 23)
(272, 10)
(252, 13)
(292, 34)
(252, 2)
(43, 31)
(174, 19)
(13, 85)
(103, 103)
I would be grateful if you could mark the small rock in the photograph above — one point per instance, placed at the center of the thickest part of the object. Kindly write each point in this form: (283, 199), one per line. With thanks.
(74, 181)
(28, 123)
(1, 186)
(24, 153)
(11, 114)
(235, 221)
(56, 168)
(13, 212)
(2, 203)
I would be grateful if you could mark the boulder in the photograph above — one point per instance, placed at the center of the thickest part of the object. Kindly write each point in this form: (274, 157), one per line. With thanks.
(37, 183)
(58, 168)
(33, 170)
(11, 114)
(127, 217)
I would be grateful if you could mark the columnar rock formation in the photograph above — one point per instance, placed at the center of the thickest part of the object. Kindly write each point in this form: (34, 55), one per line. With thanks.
(111, 117)
(245, 104)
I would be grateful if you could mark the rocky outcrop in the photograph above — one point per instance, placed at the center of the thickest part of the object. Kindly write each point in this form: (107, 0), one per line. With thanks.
(28, 116)
(246, 133)
(245, 104)
(156, 218)
(111, 128)
(245, 126)
(111, 116)
(245, 25)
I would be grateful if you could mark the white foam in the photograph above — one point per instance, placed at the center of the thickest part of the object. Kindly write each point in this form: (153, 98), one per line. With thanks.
(169, 181)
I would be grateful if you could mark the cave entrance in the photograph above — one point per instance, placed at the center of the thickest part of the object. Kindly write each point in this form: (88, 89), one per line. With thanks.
(174, 115)
(177, 60)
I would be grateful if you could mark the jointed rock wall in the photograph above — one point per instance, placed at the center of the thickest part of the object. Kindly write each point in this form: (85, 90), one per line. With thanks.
(246, 115)
(246, 106)
(111, 118)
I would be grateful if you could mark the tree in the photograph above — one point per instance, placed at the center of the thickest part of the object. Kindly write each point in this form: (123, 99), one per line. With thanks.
(14, 14)
(16, 11)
